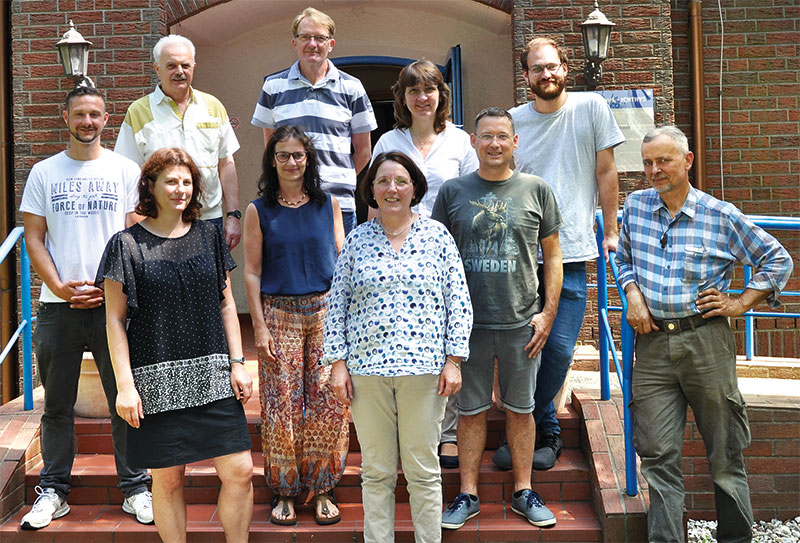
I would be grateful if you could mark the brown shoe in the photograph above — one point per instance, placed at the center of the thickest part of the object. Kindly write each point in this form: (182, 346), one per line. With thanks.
(281, 504)
(322, 517)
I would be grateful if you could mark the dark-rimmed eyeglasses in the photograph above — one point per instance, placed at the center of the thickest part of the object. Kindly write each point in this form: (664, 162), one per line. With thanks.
(283, 156)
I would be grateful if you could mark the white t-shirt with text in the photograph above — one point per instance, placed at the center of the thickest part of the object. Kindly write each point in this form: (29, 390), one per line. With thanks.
(84, 204)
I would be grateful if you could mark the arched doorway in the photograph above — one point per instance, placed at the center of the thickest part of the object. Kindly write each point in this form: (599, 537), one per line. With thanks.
(241, 41)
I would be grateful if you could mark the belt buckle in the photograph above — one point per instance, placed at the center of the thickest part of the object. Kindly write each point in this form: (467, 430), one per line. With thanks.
(672, 326)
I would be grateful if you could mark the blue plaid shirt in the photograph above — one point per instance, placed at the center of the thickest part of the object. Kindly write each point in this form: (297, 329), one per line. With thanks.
(672, 259)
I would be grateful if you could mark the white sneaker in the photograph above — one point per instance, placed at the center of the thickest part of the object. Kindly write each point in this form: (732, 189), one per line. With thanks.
(47, 507)
(141, 505)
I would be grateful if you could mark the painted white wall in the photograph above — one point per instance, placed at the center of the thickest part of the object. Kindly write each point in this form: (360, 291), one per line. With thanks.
(241, 41)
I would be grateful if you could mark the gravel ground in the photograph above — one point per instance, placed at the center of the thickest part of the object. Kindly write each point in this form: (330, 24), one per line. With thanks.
(772, 531)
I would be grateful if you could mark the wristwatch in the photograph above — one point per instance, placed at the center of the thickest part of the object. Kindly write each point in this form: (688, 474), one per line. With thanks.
(235, 213)
(237, 360)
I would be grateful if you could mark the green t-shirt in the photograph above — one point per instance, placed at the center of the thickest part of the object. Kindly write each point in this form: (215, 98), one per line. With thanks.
(497, 226)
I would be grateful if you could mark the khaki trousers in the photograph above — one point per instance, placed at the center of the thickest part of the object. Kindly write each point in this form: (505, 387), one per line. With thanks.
(399, 415)
(696, 368)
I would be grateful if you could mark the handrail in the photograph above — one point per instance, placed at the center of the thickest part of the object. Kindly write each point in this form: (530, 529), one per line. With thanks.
(24, 327)
(625, 371)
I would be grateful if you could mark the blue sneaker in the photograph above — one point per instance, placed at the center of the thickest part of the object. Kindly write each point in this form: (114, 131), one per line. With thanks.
(531, 506)
(463, 508)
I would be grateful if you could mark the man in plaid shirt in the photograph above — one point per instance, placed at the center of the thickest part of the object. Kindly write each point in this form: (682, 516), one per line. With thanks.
(677, 250)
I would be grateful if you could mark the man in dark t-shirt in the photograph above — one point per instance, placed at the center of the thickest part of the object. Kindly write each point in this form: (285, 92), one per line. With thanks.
(499, 219)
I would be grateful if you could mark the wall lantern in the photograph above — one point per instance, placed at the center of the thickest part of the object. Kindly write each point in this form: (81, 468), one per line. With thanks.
(596, 32)
(73, 51)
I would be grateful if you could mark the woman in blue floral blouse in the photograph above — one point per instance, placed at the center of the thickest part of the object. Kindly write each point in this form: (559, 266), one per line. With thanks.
(397, 329)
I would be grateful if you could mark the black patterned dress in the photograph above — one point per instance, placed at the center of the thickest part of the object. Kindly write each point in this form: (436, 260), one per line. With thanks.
(178, 348)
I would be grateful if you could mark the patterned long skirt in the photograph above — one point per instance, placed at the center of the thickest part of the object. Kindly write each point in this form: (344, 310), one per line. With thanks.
(304, 430)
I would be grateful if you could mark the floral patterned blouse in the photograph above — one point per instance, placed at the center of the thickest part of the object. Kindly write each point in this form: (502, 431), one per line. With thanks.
(393, 314)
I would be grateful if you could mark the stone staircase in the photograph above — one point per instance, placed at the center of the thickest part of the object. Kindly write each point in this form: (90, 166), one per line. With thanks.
(97, 516)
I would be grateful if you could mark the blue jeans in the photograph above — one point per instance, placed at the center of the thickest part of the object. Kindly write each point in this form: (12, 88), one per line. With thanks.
(61, 335)
(349, 220)
(557, 352)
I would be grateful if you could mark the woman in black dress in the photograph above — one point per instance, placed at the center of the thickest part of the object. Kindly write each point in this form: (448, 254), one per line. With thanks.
(179, 366)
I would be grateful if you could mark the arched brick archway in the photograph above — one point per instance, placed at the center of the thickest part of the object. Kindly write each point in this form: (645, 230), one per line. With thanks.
(178, 10)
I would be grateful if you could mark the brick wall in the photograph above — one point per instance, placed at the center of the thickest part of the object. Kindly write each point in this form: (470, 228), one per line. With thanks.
(122, 33)
(760, 145)
(772, 462)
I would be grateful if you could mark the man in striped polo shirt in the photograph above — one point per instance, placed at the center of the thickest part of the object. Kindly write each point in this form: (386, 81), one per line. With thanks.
(176, 115)
(331, 106)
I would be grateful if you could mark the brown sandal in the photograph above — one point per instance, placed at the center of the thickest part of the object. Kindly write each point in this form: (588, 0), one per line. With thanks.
(283, 502)
(323, 519)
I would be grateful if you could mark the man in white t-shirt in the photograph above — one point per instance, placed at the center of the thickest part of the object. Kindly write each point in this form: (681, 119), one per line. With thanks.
(73, 203)
(568, 140)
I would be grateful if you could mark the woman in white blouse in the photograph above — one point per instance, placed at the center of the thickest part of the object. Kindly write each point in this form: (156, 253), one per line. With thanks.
(398, 326)
(423, 131)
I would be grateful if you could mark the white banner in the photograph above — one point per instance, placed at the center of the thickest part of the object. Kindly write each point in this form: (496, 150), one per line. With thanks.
(633, 111)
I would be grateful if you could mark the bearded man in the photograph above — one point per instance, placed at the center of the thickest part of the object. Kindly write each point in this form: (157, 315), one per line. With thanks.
(568, 140)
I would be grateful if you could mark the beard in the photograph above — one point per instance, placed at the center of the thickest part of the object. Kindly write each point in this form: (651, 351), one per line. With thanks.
(554, 87)
(85, 139)
(668, 187)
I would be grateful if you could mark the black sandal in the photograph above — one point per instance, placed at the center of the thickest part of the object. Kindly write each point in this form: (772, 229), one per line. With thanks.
(284, 500)
(323, 519)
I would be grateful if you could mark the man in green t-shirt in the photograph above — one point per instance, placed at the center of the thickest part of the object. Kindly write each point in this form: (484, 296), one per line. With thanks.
(499, 219)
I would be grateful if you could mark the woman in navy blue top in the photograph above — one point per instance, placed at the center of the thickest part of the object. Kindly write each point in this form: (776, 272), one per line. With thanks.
(292, 235)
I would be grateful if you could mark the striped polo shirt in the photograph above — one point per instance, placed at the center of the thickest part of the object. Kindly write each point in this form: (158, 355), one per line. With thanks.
(330, 112)
(154, 122)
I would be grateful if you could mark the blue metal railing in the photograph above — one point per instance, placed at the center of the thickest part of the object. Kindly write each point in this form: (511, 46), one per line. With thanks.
(24, 327)
(624, 370)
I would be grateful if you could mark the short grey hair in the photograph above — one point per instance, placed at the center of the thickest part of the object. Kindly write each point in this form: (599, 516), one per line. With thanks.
(168, 40)
(673, 132)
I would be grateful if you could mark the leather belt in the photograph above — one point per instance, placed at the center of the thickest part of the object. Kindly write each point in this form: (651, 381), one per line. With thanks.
(676, 326)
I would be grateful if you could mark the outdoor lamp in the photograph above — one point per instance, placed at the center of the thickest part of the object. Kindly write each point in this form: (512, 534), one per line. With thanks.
(73, 51)
(596, 32)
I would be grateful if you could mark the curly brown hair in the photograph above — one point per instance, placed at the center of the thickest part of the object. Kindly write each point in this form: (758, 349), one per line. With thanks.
(425, 72)
(157, 163)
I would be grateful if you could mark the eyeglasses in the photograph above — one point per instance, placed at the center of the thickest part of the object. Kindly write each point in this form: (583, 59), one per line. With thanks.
(283, 156)
(399, 182)
(305, 38)
(489, 138)
(538, 69)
